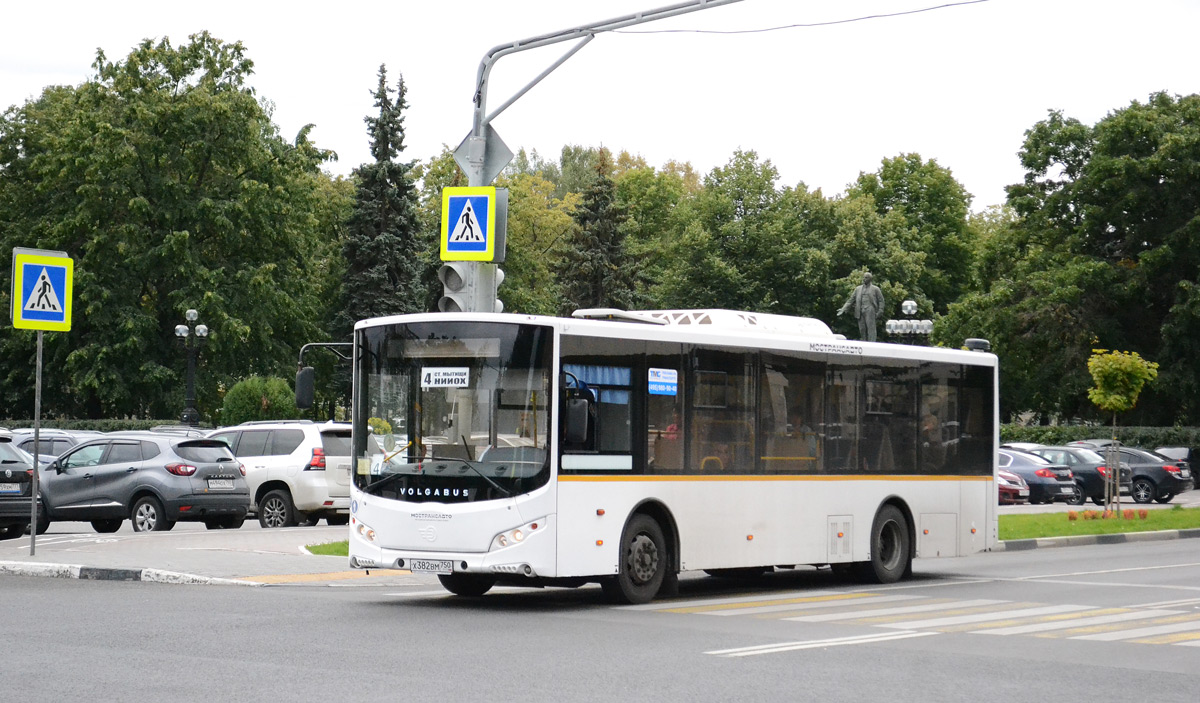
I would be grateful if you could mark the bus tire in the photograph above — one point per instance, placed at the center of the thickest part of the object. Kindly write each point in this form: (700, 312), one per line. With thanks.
(643, 562)
(891, 548)
(467, 585)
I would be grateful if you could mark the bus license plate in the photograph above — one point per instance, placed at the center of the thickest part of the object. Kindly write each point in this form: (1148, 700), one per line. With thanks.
(220, 484)
(431, 566)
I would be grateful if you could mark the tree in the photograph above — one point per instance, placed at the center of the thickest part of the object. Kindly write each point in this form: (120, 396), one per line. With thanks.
(935, 205)
(1119, 378)
(539, 227)
(166, 181)
(258, 398)
(383, 244)
(597, 270)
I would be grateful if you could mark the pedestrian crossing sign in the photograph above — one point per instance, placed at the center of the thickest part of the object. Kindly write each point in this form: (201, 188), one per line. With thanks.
(469, 224)
(41, 290)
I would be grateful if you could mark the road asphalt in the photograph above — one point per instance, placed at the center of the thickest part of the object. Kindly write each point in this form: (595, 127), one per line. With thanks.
(253, 556)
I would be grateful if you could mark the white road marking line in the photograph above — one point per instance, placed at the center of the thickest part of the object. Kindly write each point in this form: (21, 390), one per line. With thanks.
(669, 605)
(794, 607)
(930, 607)
(1140, 632)
(984, 617)
(1079, 622)
(815, 644)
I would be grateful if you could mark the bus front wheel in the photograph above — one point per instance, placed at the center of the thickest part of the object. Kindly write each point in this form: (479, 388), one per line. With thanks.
(891, 548)
(470, 585)
(643, 562)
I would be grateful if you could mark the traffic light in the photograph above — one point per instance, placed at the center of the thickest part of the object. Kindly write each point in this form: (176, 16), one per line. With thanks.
(470, 286)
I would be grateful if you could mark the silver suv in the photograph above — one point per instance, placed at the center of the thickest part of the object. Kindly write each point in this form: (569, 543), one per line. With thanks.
(298, 470)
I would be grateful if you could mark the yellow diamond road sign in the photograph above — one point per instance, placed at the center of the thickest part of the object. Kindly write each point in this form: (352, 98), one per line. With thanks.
(41, 292)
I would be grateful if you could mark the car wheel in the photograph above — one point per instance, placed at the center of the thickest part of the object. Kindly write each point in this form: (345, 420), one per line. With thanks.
(148, 516)
(1165, 498)
(337, 520)
(1143, 490)
(312, 520)
(891, 551)
(642, 562)
(43, 524)
(1076, 498)
(107, 526)
(277, 510)
(1098, 500)
(469, 585)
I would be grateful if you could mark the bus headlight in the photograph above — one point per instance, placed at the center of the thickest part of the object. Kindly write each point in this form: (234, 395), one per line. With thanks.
(517, 535)
(365, 532)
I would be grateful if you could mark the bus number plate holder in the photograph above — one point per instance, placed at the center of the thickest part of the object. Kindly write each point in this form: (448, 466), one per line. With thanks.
(431, 566)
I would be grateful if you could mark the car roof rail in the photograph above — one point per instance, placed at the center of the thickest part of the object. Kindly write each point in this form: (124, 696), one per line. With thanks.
(278, 422)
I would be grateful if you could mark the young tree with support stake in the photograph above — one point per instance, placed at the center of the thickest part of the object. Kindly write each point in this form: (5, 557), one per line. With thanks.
(1119, 378)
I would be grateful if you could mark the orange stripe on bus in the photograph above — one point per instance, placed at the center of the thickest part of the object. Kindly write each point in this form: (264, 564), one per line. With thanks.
(755, 477)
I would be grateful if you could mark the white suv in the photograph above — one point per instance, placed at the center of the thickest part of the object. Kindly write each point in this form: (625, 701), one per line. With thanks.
(298, 470)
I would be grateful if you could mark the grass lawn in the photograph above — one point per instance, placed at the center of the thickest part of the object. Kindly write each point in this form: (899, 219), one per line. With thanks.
(1060, 525)
(333, 549)
(1011, 526)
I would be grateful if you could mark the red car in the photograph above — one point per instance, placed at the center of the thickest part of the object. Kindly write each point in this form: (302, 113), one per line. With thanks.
(1013, 489)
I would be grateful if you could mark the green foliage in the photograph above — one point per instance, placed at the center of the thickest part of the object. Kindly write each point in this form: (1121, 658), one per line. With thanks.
(259, 398)
(1147, 437)
(166, 182)
(383, 243)
(106, 425)
(1059, 525)
(1119, 377)
(379, 426)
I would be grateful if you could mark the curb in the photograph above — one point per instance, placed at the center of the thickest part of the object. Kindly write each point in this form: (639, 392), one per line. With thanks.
(98, 573)
(1016, 545)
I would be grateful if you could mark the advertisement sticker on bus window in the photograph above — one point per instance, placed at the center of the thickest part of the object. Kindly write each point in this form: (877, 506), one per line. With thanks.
(664, 382)
(445, 377)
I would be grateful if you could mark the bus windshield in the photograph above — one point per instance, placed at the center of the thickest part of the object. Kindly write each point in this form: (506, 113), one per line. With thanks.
(452, 411)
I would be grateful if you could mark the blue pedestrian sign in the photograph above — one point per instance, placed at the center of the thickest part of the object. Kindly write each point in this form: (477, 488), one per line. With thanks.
(469, 224)
(42, 289)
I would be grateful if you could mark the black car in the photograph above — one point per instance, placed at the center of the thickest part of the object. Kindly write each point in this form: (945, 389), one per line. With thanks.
(1048, 482)
(1156, 477)
(16, 480)
(1089, 469)
(153, 479)
(1181, 455)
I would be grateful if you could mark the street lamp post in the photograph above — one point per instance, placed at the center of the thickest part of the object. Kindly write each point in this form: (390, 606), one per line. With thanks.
(909, 331)
(191, 343)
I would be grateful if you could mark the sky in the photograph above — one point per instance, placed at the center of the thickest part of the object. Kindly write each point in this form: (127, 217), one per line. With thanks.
(959, 85)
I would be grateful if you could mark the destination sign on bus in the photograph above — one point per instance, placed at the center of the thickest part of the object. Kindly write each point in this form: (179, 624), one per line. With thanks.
(445, 377)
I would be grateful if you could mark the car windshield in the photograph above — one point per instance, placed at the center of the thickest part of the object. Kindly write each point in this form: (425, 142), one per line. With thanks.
(1089, 456)
(1021, 458)
(452, 411)
(208, 451)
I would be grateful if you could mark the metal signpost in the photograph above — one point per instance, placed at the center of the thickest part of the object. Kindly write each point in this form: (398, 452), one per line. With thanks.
(482, 155)
(42, 283)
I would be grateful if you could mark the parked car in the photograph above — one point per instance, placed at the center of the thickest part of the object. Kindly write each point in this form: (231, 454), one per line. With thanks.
(298, 470)
(50, 442)
(1012, 488)
(154, 480)
(1021, 445)
(16, 480)
(1048, 482)
(1155, 477)
(1181, 455)
(1089, 469)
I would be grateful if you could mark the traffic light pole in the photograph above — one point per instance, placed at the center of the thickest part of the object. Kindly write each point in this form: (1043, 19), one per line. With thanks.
(482, 155)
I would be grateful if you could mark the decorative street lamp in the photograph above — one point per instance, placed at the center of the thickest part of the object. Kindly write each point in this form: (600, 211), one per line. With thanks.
(909, 331)
(191, 343)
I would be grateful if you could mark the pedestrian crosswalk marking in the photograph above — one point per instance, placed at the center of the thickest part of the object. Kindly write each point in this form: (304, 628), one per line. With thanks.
(1076, 623)
(877, 614)
(761, 611)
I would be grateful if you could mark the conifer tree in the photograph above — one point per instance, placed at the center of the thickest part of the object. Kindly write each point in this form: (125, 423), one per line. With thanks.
(598, 270)
(383, 237)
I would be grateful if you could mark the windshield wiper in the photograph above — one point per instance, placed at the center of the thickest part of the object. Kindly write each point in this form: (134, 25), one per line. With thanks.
(372, 488)
(498, 487)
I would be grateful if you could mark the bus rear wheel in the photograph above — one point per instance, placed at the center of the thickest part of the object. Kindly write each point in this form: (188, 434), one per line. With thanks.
(469, 585)
(643, 562)
(891, 548)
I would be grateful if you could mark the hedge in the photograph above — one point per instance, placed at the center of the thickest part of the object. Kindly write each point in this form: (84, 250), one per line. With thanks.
(95, 425)
(1147, 437)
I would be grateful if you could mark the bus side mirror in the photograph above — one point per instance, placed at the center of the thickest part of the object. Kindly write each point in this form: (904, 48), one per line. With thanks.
(576, 420)
(304, 388)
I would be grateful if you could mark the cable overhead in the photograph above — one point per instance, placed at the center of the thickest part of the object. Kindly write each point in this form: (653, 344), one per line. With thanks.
(795, 26)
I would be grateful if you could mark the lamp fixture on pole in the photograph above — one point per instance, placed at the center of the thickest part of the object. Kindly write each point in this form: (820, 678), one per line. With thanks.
(191, 335)
(909, 331)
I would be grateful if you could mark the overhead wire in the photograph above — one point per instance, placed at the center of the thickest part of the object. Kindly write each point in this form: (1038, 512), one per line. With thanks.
(798, 25)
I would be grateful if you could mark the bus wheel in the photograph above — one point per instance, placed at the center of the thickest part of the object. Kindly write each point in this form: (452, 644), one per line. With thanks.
(643, 562)
(470, 585)
(891, 553)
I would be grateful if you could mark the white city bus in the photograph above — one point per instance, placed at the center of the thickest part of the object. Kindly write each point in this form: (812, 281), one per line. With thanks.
(625, 447)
